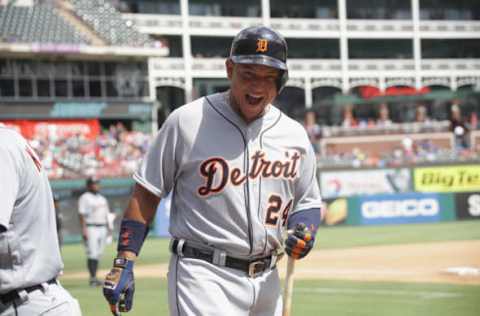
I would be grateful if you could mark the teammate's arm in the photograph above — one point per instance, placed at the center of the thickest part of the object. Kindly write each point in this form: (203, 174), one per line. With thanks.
(9, 184)
(83, 225)
(82, 210)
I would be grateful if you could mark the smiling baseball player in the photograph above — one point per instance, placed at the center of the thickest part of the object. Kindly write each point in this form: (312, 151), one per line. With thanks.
(238, 168)
(29, 252)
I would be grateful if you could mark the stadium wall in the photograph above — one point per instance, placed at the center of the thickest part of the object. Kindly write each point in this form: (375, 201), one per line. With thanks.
(401, 195)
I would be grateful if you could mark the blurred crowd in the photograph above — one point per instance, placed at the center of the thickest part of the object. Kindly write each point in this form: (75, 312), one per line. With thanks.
(115, 152)
(408, 150)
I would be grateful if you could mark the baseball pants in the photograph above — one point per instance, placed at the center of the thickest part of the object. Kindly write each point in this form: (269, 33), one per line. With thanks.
(199, 288)
(53, 300)
(97, 239)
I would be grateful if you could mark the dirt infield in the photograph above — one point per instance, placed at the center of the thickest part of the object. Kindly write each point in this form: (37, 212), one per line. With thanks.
(442, 262)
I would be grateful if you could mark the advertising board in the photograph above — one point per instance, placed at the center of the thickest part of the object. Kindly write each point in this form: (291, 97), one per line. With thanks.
(467, 205)
(461, 178)
(400, 208)
(335, 184)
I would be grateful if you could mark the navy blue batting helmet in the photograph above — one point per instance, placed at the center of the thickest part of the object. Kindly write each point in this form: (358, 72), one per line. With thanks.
(262, 46)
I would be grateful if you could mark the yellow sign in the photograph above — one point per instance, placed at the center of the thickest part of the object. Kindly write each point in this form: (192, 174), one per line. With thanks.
(262, 45)
(447, 179)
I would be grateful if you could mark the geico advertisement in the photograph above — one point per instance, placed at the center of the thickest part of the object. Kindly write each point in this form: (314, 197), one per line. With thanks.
(468, 205)
(335, 184)
(400, 209)
(447, 178)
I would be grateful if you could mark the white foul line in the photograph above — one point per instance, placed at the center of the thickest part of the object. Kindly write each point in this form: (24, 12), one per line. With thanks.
(419, 294)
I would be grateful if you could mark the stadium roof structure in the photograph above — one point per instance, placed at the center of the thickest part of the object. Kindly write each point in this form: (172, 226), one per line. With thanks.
(78, 27)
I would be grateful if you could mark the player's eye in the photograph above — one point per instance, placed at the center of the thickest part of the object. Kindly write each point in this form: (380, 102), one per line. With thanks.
(272, 78)
(247, 75)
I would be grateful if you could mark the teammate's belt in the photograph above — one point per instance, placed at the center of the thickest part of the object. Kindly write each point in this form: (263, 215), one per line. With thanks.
(13, 294)
(96, 225)
(252, 267)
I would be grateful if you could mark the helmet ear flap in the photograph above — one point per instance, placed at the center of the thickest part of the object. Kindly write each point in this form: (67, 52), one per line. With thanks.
(282, 80)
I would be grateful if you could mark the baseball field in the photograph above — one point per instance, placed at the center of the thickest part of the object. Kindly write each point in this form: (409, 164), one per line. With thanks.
(417, 269)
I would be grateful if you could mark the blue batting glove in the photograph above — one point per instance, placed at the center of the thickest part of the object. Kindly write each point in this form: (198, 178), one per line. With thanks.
(299, 242)
(119, 286)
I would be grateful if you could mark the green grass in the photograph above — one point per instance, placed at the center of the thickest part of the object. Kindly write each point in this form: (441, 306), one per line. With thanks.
(341, 298)
(357, 236)
(154, 250)
(332, 298)
(150, 297)
(316, 297)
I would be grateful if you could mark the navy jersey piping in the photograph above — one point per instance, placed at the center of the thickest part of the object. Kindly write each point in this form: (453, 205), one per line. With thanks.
(246, 186)
(254, 298)
(260, 180)
(176, 285)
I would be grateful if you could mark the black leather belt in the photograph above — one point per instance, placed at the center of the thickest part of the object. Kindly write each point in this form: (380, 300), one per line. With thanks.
(252, 267)
(11, 296)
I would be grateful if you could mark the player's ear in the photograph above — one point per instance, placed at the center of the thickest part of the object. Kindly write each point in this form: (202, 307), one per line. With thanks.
(229, 65)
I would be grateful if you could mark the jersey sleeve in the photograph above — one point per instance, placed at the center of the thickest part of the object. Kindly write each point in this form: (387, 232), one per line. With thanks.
(307, 192)
(159, 167)
(83, 208)
(10, 172)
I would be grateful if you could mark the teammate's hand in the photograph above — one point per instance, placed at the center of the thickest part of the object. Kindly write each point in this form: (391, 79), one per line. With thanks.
(299, 242)
(84, 234)
(119, 286)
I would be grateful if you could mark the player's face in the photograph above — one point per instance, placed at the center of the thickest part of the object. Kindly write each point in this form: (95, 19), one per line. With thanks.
(252, 87)
(94, 187)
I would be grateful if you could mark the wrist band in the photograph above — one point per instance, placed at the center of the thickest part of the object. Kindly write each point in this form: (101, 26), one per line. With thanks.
(310, 217)
(131, 236)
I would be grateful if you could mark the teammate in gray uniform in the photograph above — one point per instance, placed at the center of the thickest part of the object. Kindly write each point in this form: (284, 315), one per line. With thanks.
(93, 213)
(30, 258)
(239, 170)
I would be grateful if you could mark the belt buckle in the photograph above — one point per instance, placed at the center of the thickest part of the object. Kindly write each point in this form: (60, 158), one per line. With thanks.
(252, 268)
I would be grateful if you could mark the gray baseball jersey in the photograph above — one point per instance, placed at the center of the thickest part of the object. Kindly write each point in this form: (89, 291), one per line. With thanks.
(233, 184)
(29, 251)
(95, 210)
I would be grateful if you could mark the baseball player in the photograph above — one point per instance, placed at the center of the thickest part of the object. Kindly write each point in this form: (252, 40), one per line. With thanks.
(30, 258)
(94, 219)
(240, 172)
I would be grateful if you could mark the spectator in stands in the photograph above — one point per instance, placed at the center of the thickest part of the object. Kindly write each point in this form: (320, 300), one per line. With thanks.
(383, 116)
(115, 152)
(459, 128)
(348, 117)
(314, 130)
(421, 114)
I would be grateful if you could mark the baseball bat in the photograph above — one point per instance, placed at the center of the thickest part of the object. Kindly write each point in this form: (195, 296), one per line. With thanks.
(288, 290)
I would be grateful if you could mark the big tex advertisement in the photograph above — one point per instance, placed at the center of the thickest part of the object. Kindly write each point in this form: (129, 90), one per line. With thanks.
(460, 178)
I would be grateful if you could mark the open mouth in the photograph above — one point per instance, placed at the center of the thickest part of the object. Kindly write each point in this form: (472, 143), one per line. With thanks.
(253, 99)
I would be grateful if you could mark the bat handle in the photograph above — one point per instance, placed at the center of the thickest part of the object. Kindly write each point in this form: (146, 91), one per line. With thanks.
(288, 290)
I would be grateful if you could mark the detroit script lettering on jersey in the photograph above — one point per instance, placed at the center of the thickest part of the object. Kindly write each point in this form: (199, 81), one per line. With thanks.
(218, 168)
